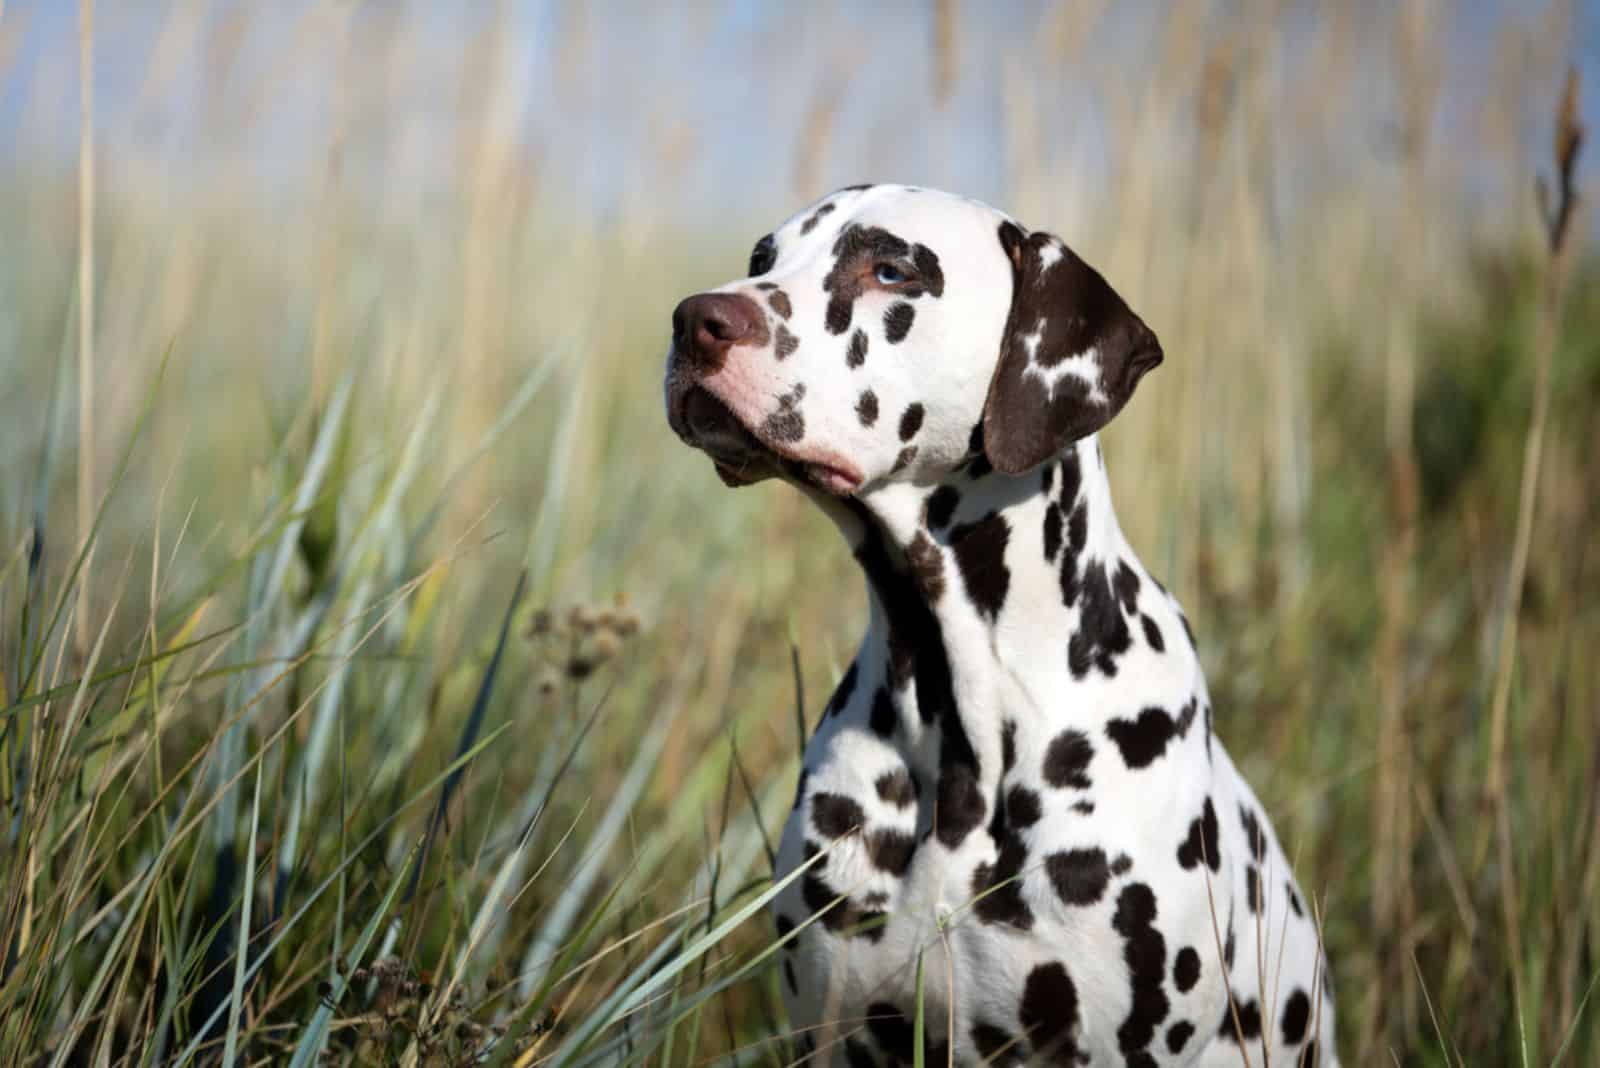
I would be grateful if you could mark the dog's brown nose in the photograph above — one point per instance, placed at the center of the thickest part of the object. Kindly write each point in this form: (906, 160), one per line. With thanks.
(707, 325)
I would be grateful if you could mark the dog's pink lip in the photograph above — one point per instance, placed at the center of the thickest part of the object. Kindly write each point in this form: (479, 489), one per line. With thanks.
(832, 476)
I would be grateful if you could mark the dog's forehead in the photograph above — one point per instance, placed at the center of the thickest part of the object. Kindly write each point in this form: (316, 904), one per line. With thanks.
(914, 214)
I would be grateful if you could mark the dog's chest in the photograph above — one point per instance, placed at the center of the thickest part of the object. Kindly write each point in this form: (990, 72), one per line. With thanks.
(1075, 853)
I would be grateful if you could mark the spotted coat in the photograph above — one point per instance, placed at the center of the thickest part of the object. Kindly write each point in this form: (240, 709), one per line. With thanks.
(1015, 788)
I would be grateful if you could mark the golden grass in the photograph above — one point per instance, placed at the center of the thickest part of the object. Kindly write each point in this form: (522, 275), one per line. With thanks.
(1322, 472)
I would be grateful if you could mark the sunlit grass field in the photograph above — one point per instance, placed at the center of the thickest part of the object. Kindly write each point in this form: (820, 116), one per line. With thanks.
(423, 701)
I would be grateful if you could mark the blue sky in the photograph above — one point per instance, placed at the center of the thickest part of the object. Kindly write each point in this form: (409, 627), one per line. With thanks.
(732, 85)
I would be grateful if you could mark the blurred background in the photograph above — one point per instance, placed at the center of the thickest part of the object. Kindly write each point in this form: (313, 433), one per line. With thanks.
(381, 681)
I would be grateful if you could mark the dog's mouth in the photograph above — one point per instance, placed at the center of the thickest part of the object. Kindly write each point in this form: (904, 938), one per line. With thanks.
(707, 424)
(741, 457)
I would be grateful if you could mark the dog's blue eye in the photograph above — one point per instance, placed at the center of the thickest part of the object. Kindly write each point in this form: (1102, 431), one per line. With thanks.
(888, 274)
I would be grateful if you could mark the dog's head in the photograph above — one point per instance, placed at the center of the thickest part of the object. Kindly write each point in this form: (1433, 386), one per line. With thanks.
(890, 332)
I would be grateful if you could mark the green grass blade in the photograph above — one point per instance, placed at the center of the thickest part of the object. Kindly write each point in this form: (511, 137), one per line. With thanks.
(241, 954)
(919, 1021)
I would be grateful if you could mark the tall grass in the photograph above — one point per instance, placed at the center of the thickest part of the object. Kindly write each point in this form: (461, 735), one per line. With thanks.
(432, 703)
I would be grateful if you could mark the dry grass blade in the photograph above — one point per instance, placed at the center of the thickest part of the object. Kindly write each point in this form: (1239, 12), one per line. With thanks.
(86, 377)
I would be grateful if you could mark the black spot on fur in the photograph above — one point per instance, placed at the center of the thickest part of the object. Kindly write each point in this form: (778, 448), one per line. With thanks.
(1083, 808)
(894, 1033)
(867, 407)
(857, 1055)
(1022, 807)
(784, 343)
(997, 890)
(942, 504)
(927, 562)
(979, 466)
(1253, 834)
(1294, 898)
(1152, 634)
(1249, 1023)
(1066, 760)
(787, 424)
(897, 322)
(838, 315)
(763, 256)
(838, 915)
(1186, 969)
(980, 554)
(902, 461)
(884, 715)
(1102, 633)
(1052, 531)
(766, 287)
(1201, 844)
(896, 788)
(1145, 952)
(856, 355)
(1049, 1013)
(844, 691)
(778, 301)
(1071, 479)
(835, 815)
(961, 806)
(1310, 1057)
(1008, 746)
(1252, 881)
(1127, 583)
(926, 262)
(1178, 1036)
(890, 850)
(788, 974)
(1188, 631)
(1080, 876)
(993, 1041)
(1296, 1014)
(1121, 865)
(815, 217)
(1077, 529)
(1144, 739)
(910, 422)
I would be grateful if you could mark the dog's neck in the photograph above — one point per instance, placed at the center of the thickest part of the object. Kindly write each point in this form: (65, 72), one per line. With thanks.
(986, 553)
(976, 586)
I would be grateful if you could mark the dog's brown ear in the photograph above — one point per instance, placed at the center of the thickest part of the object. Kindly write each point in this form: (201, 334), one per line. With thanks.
(1070, 357)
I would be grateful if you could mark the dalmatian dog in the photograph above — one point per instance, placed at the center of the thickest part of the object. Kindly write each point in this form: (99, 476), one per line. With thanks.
(1014, 822)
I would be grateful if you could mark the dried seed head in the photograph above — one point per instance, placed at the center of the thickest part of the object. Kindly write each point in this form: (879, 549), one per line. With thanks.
(607, 643)
(538, 624)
